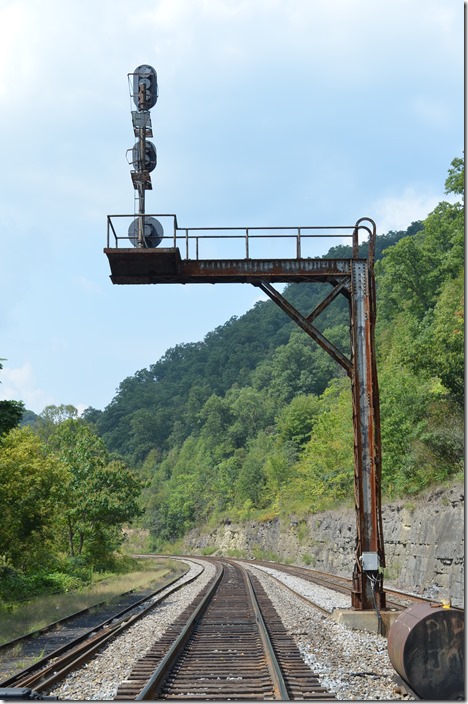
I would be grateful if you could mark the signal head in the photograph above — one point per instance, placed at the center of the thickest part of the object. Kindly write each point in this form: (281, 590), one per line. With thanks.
(145, 87)
(153, 234)
(150, 160)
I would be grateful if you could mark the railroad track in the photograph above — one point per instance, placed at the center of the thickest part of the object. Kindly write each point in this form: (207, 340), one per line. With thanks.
(77, 645)
(56, 636)
(399, 600)
(229, 644)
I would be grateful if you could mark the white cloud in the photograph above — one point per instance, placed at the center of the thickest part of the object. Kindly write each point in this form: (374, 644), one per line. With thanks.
(397, 212)
(19, 384)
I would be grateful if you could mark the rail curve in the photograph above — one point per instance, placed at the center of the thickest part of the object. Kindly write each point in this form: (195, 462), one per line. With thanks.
(230, 644)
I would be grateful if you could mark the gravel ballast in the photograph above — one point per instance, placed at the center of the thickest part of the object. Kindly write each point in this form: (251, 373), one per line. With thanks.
(100, 678)
(352, 665)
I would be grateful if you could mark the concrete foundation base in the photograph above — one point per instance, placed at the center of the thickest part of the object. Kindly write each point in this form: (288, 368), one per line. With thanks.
(365, 620)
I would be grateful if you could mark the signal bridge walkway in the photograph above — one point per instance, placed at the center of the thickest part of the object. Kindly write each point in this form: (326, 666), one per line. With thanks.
(230, 254)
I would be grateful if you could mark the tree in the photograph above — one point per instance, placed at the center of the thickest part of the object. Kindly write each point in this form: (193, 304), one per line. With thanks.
(449, 336)
(251, 411)
(420, 336)
(91, 415)
(11, 413)
(295, 368)
(216, 418)
(405, 279)
(455, 182)
(178, 491)
(325, 472)
(100, 494)
(251, 481)
(30, 500)
(29, 418)
(297, 419)
(51, 417)
(412, 273)
(445, 339)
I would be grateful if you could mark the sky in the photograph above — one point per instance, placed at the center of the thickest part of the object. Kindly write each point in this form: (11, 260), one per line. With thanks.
(270, 112)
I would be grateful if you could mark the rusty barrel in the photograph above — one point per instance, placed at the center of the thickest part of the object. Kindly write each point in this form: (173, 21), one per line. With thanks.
(426, 648)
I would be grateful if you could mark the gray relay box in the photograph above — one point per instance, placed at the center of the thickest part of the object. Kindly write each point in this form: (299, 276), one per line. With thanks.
(370, 561)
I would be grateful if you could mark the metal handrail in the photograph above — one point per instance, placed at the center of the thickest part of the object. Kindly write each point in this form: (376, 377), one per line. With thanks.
(299, 234)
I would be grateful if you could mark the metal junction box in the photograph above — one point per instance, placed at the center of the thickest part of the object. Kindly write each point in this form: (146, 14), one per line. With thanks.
(370, 561)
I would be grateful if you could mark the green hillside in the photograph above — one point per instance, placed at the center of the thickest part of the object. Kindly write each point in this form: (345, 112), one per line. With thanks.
(262, 348)
(256, 419)
(253, 421)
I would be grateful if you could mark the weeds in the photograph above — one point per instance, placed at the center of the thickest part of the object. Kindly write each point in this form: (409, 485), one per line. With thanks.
(208, 550)
(235, 552)
(18, 619)
(302, 532)
(268, 555)
(309, 559)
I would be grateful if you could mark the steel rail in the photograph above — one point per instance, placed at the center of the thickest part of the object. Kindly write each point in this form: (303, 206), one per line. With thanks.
(181, 671)
(338, 583)
(303, 598)
(53, 625)
(276, 674)
(44, 673)
(176, 648)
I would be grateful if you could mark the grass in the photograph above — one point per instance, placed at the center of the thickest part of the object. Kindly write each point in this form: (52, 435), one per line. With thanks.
(208, 550)
(309, 559)
(303, 532)
(19, 619)
(235, 552)
(265, 555)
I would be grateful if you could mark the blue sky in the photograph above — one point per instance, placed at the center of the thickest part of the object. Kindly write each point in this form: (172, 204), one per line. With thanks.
(270, 112)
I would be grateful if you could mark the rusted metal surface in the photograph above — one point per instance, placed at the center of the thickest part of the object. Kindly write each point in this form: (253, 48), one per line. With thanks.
(426, 648)
(307, 326)
(158, 266)
(351, 277)
(367, 452)
(224, 654)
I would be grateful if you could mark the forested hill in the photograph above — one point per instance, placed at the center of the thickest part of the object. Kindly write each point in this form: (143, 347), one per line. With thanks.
(160, 405)
(256, 419)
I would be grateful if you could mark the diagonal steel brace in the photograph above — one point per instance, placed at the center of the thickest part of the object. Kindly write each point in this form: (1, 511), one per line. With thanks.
(342, 287)
(304, 323)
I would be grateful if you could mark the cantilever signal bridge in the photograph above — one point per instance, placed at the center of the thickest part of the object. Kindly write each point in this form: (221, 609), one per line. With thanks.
(193, 255)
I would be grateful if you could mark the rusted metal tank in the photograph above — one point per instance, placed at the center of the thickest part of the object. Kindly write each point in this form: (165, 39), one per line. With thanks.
(426, 648)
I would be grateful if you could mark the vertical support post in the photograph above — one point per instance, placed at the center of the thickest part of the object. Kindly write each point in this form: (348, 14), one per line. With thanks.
(141, 189)
(367, 586)
(298, 243)
(141, 162)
